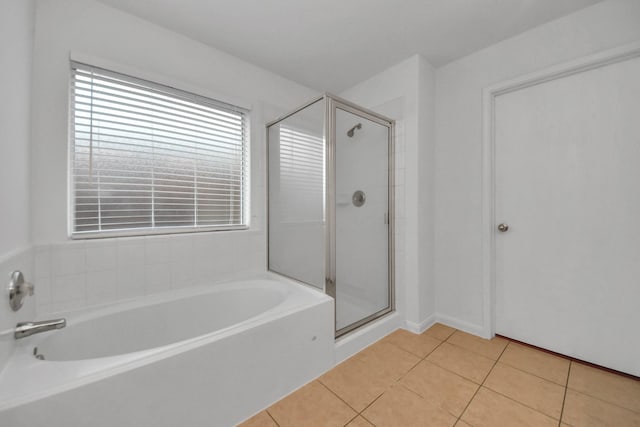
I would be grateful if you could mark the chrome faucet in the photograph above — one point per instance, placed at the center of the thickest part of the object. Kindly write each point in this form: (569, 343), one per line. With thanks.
(25, 329)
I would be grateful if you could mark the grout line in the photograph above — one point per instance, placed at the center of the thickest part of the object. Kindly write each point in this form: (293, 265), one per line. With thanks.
(271, 416)
(336, 395)
(524, 404)
(566, 389)
(483, 381)
(367, 419)
(572, 359)
(423, 360)
(527, 372)
(475, 352)
(354, 417)
(511, 398)
(367, 407)
(397, 381)
(419, 361)
(603, 401)
(456, 373)
(564, 399)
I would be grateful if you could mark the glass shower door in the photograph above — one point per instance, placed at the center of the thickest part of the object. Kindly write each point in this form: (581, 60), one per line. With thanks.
(362, 211)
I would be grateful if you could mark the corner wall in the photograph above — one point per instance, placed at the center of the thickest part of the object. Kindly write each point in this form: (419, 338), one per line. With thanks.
(404, 93)
(16, 32)
(458, 203)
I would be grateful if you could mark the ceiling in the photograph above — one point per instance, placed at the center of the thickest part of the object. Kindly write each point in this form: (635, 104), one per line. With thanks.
(334, 44)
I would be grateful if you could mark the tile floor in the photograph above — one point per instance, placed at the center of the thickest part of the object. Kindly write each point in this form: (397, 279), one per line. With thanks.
(445, 377)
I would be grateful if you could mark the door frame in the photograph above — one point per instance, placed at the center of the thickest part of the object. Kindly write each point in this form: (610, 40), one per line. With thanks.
(334, 103)
(489, 94)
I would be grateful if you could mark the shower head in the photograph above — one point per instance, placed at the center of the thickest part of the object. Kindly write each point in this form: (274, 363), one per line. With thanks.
(352, 130)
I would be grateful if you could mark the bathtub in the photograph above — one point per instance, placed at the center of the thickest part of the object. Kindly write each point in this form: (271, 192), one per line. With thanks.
(208, 356)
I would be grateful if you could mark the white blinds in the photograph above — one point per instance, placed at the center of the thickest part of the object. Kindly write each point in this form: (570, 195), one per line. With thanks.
(301, 175)
(146, 156)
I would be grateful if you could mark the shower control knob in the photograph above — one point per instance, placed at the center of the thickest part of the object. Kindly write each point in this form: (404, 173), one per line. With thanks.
(503, 227)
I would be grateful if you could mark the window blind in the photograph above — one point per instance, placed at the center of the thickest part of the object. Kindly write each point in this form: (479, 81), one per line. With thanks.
(148, 157)
(302, 175)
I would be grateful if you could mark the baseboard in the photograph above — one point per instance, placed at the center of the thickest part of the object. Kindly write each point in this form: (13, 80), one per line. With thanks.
(418, 328)
(462, 325)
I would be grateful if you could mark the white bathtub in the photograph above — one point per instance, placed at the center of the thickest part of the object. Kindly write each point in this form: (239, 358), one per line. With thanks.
(209, 356)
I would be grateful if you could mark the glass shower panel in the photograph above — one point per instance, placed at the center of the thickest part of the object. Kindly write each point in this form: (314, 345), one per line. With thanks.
(361, 219)
(297, 195)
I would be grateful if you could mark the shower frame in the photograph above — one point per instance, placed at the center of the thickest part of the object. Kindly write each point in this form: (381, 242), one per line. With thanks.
(332, 103)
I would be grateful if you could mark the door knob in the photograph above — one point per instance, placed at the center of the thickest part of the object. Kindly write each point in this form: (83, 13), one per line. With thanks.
(503, 227)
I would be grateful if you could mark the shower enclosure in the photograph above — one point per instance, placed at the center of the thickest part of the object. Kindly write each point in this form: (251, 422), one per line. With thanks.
(330, 209)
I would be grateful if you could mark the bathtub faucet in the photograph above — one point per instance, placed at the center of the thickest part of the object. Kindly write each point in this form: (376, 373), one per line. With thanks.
(25, 329)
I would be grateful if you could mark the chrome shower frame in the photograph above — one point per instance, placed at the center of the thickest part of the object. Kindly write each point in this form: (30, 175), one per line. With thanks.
(332, 103)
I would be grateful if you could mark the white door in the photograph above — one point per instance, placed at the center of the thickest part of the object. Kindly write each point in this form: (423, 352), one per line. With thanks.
(568, 186)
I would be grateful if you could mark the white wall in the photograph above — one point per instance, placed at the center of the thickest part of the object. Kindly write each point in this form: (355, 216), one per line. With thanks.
(458, 233)
(16, 33)
(74, 274)
(426, 192)
(405, 93)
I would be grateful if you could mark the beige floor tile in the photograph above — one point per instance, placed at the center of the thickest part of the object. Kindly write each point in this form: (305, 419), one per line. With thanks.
(387, 360)
(491, 409)
(536, 362)
(612, 388)
(312, 405)
(439, 331)
(461, 423)
(582, 410)
(462, 362)
(262, 419)
(417, 344)
(359, 422)
(535, 392)
(489, 348)
(401, 407)
(355, 382)
(445, 389)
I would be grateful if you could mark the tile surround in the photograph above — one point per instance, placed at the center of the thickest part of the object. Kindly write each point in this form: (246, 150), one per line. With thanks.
(77, 274)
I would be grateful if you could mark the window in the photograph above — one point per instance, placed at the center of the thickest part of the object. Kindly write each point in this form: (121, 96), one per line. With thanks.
(148, 158)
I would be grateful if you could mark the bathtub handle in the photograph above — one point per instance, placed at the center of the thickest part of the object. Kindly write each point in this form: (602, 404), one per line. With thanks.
(25, 329)
(19, 289)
